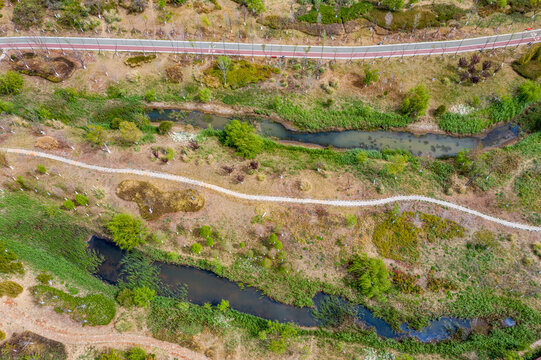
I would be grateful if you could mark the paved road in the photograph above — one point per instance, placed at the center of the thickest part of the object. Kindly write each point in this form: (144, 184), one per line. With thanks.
(272, 50)
(279, 199)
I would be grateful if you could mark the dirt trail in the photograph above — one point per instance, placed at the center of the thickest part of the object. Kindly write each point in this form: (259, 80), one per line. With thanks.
(18, 315)
(279, 199)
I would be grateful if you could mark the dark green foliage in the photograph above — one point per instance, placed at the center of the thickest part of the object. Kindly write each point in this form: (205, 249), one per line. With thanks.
(529, 65)
(240, 135)
(370, 275)
(137, 271)
(446, 12)
(11, 82)
(442, 172)
(440, 110)
(530, 120)
(27, 13)
(416, 102)
(139, 59)
(44, 278)
(26, 345)
(370, 76)
(414, 18)
(529, 91)
(127, 231)
(9, 261)
(333, 311)
(92, 309)
(330, 16)
(393, 5)
(165, 127)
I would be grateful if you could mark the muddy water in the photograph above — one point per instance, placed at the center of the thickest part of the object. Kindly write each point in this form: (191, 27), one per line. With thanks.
(433, 145)
(206, 287)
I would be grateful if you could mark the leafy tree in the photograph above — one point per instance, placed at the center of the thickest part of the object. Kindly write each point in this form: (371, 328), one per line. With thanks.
(397, 164)
(165, 127)
(361, 157)
(256, 6)
(210, 241)
(129, 133)
(137, 353)
(529, 91)
(223, 305)
(11, 83)
(142, 296)
(27, 13)
(41, 169)
(96, 135)
(463, 161)
(416, 101)
(224, 63)
(127, 231)
(205, 95)
(196, 248)
(81, 200)
(370, 76)
(393, 5)
(240, 135)
(371, 275)
(68, 205)
(205, 231)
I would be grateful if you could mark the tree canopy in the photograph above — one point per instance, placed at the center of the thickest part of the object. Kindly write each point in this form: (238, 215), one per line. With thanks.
(371, 275)
(127, 231)
(241, 136)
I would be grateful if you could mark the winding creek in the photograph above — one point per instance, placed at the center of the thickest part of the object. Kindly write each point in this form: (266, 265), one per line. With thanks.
(433, 145)
(206, 287)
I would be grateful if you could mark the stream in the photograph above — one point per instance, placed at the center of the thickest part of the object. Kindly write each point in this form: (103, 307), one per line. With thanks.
(433, 145)
(206, 287)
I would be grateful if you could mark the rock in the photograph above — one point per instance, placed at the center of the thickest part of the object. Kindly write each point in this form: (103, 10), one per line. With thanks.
(46, 143)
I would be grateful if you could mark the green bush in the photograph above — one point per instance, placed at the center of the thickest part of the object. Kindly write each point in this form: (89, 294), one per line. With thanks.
(440, 110)
(371, 277)
(351, 220)
(129, 133)
(209, 241)
(44, 278)
(2, 335)
(68, 205)
(266, 263)
(81, 200)
(96, 135)
(10, 289)
(150, 95)
(416, 102)
(240, 135)
(393, 5)
(142, 296)
(93, 309)
(137, 353)
(529, 91)
(41, 169)
(165, 127)
(223, 305)
(205, 231)
(127, 231)
(196, 248)
(11, 83)
(112, 355)
(256, 6)
(6, 107)
(370, 76)
(205, 95)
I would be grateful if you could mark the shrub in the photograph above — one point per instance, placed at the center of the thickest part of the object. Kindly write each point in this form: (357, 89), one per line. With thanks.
(416, 102)
(370, 275)
(440, 110)
(266, 263)
(196, 248)
(112, 355)
(41, 169)
(205, 231)
(9, 261)
(393, 5)
(129, 133)
(223, 305)
(256, 6)
(361, 157)
(44, 278)
(351, 220)
(96, 135)
(205, 95)
(11, 83)
(150, 95)
(27, 13)
(397, 238)
(210, 241)
(125, 297)
(2, 335)
(81, 200)
(6, 107)
(127, 231)
(137, 353)
(397, 164)
(142, 296)
(370, 76)
(10, 289)
(165, 127)
(68, 205)
(529, 91)
(240, 135)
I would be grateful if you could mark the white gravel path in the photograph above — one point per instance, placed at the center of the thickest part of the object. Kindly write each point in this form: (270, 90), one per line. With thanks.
(280, 199)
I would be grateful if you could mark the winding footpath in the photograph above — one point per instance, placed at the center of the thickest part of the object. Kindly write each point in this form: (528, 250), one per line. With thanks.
(278, 199)
(104, 336)
(445, 47)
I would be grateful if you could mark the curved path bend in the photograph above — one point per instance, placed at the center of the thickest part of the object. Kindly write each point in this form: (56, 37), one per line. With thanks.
(279, 199)
(105, 337)
(270, 50)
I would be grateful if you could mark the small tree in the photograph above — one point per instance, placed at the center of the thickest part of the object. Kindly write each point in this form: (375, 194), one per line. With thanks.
(397, 164)
(370, 76)
(224, 63)
(240, 135)
(165, 127)
(81, 200)
(41, 169)
(223, 305)
(11, 83)
(256, 6)
(129, 133)
(96, 135)
(68, 205)
(137, 353)
(416, 101)
(371, 275)
(196, 248)
(361, 157)
(127, 231)
(529, 91)
(205, 231)
(205, 95)
(142, 296)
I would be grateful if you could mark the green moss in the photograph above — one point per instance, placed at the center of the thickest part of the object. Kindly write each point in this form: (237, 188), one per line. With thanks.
(241, 73)
(9, 261)
(435, 227)
(10, 289)
(92, 309)
(397, 238)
